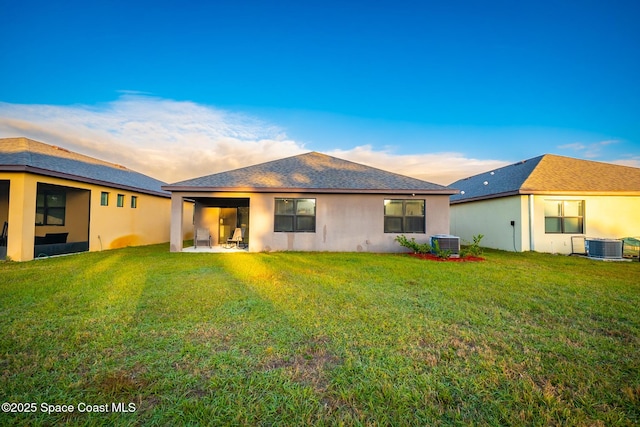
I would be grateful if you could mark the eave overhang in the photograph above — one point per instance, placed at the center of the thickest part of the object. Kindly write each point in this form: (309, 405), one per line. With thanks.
(71, 177)
(190, 189)
(525, 192)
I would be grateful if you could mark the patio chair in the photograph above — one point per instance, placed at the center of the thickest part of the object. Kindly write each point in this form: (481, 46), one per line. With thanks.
(202, 235)
(235, 240)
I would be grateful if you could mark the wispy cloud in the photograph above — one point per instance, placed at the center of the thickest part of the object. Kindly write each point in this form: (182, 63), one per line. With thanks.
(589, 151)
(442, 168)
(176, 140)
(630, 160)
(598, 151)
(167, 139)
(576, 146)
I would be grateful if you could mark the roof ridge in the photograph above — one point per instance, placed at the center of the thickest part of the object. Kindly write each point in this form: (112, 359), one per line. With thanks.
(52, 160)
(71, 153)
(310, 171)
(551, 173)
(520, 162)
(307, 154)
(597, 162)
(242, 168)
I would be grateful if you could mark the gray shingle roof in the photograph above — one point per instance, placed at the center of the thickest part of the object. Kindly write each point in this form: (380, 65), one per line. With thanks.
(502, 181)
(309, 172)
(549, 173)
(23, 154)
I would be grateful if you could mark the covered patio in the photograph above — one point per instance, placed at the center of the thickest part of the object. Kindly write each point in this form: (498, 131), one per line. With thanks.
(217, 249)
(221, 216)
(308, 202)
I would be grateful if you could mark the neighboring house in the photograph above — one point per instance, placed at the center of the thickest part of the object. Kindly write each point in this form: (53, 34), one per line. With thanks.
(547, 203)
(312, 202)
(55, 201)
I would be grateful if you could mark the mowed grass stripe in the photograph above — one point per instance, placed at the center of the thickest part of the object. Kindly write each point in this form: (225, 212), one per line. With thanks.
(321, 338)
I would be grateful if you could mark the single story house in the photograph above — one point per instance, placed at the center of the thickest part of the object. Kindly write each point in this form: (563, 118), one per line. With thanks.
(54, 201)
(311, 202)
(547, 204)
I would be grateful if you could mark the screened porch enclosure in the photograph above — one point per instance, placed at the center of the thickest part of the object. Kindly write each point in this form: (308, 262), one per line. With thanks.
(4, 217)
(62, 220)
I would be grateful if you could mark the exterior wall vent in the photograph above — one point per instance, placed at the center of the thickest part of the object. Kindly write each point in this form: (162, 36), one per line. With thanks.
(604, 248)
(446, 242)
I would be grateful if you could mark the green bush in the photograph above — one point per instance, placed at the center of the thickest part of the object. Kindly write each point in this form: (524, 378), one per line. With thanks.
(474, 248)
(440, 253)
(417, 248)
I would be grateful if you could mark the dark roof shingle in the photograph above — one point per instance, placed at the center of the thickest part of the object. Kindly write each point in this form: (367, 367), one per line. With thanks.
(309, 172)
(28, 155)
(549, 173)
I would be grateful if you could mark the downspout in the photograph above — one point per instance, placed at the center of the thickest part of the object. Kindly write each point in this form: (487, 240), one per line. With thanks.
(531, 224)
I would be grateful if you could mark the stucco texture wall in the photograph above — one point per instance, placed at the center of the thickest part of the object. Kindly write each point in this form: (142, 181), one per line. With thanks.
(492, 218)
(604, 217)
(109, 227)
(344, 223)
(116, 227)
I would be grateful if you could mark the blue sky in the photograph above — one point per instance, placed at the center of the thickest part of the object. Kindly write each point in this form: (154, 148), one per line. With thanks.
(437, 90)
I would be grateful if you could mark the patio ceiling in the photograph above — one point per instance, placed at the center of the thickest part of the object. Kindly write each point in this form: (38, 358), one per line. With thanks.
(223, 202)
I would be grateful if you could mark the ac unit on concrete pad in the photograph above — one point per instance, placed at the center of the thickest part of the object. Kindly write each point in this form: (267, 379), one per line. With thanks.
(604, 248)
(446, 242)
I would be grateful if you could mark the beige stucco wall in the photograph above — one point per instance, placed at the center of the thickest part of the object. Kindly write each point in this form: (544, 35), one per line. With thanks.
(109, 227)
(492, 218)
(22, 215)
(604, 217)
(344, 222)
(116, 227)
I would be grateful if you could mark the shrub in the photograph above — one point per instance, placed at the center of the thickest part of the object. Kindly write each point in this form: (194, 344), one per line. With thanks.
(440, 253)
(417, 248)
(473, 248)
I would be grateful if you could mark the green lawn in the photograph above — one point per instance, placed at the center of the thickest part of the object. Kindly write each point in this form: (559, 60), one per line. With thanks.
(320, 338)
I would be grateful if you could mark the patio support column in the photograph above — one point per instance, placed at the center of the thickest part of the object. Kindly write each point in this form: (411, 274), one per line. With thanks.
(532, 246)
(177, 213)
(22, 218)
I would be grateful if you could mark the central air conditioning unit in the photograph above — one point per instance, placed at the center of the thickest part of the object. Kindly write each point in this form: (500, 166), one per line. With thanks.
(446, 242)
(604, 248)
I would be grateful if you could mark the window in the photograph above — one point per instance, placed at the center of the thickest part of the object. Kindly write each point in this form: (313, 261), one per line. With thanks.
(50, 207)
(134, 202)
(404, 216)
(564, 216)
(104, 199)
(120, 202)
(295, 215)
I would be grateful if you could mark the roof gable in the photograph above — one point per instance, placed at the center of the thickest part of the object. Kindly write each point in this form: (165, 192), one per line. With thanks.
(550, 173)
(501, 181)
(23, 154)
(558, 173)
(308, 172)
